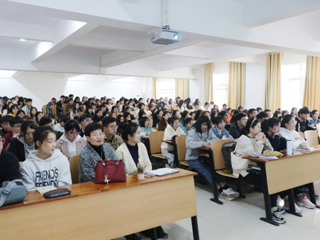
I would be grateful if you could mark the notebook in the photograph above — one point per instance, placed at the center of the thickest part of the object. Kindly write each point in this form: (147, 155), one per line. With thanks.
(163, 171)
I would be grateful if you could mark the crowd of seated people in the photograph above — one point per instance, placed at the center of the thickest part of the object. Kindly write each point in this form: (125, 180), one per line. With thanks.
(97, 129)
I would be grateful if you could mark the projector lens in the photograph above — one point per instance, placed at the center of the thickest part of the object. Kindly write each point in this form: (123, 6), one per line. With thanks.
(176, 36)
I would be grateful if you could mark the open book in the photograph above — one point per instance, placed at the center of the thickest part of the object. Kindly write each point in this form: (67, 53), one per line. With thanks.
(163, 171)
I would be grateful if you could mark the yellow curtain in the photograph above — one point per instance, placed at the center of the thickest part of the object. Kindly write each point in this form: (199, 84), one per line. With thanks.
(311, 97)
(154, 87)
(208, 82)
(273, 81)
(182, 88)
(237, 76)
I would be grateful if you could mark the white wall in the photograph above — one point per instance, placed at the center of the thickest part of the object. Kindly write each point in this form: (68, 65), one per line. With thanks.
(41, 87)
(255, 83)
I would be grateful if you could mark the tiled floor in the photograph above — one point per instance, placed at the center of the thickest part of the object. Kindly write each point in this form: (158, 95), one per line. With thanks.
(239, 220)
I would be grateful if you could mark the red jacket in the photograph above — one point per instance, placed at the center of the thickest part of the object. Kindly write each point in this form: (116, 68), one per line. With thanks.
(7, 137)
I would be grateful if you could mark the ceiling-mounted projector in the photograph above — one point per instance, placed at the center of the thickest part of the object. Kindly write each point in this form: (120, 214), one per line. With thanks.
(165, 37)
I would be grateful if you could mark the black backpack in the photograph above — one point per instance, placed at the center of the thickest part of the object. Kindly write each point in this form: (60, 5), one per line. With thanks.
(227, 149)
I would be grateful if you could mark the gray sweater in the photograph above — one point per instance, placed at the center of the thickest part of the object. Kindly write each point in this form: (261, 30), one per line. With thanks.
(195, 140)
(88, 159)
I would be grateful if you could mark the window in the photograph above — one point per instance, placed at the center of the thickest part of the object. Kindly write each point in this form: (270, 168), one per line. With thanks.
(166, 87)
(220, 88)
(292, 85)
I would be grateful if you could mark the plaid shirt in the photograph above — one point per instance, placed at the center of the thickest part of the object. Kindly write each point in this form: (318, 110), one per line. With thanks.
(115, 142)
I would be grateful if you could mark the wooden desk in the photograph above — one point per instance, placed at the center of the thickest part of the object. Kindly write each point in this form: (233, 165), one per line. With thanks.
(98, 211)
(286, 173)
(213, 176)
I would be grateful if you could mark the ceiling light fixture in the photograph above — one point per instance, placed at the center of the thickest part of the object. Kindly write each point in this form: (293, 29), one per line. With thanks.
(22, 40)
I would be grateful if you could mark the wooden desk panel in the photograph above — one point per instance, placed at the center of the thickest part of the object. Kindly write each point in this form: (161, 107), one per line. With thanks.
(114, 212)
(293, 171)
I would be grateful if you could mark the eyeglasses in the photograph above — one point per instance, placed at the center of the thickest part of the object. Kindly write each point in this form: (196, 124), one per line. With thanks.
(73, 134)
(97, 135)
(114, 127)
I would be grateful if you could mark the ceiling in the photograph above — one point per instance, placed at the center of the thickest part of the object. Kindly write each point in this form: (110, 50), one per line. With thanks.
(113, 37)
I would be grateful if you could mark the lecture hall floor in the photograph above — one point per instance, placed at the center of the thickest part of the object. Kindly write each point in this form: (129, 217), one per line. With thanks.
(239, 220)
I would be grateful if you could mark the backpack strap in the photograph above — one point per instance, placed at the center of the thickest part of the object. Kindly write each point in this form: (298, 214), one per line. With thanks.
(8, 186)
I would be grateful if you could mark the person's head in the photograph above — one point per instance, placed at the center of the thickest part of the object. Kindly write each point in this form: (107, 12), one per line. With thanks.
(241, 120)
(203, 124)
(131, 133)
(85, 119)
(174, 122)
(187, 122)
(225, 115)
(253, 126)
(14, 109)
(46, 121)
(45, 140)
(252, 113)
(268, 111)
(110, 126)
(127, 117)
(207, 105)
(33, 112)
(219, 122)
(314, 114)
(145, 122)
(273, 125)
(185, 114)
(198, 112)
(27, 130)
(141, 106)
(15, 124)
(21, 114)
(89, 109)
(98, 113)
(303, 113)
(29, 102)
(294, 111)
(94, 134)
(288, 122)
(284, 112)
(62, 119)
(142, 114)
(76, 106)
(277, 114)
(39, 115)
(71, 129)
(224, 106)
(262, 116)
(213, 114)
(120, 119)
(259, 109)
(176, 114)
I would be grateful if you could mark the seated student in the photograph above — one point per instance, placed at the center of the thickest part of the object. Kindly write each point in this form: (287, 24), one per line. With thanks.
(15, 124)
(142, 114)
(60, 126)
(252, 113)
(287, 131)
(133, 152)
(39, 115)
(46, 121)
(199, 136)
(33, 113)
(171, 130)
(263, 119)
(252, 145)
(145, 127)
(85, 119)
(314, 118)
(27, 107)
(156, 116)
(71, 143)
(187, 124)
(164, 121)
(272, 131)
(225, 117)
(127, 117)
(24, 144)
(5, 125)
(98, 115)
(89, 110)
(13, 110)
(219, 129)
(182, 106)
(21, 114)
(9, 165)
(238, 126)
(184, 115)
(268, 112)
(303, 123)
(277, 114)
(94, 152)
(75, 110)
(110, 129)
(45, 166)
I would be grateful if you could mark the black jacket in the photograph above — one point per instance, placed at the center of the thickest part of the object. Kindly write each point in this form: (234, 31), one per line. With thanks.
(9, 167)
(302, 126)
(278, 143)
(17, 148)
(235, 131)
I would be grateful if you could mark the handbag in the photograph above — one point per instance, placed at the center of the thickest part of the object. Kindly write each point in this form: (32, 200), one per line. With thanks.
(12, 192)
(110, 171)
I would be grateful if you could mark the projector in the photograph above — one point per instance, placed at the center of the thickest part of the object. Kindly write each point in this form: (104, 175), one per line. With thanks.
(165, 37)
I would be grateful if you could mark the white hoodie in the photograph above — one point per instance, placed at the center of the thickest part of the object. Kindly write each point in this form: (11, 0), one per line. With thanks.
(37, 172)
